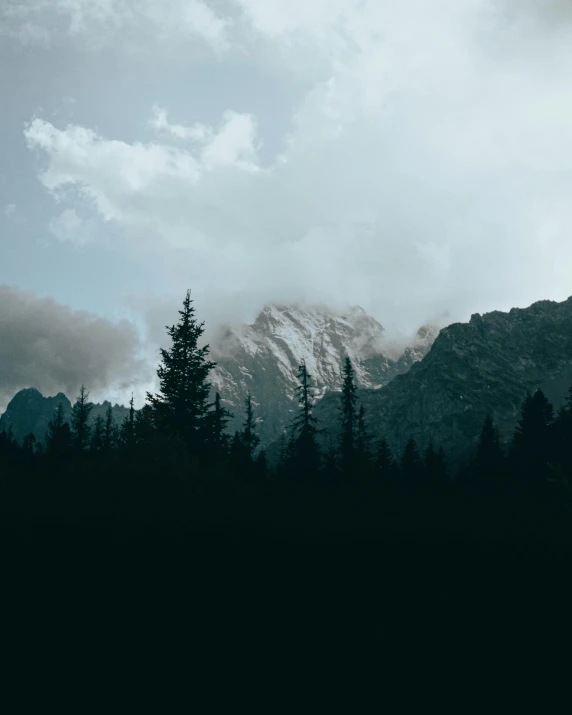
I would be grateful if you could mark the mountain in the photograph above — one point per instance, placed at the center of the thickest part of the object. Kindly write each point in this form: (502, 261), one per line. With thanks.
(29, 412)
(485, 365)
(264, 357)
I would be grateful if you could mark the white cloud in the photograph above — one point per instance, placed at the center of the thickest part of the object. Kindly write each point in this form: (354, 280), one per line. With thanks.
(96, 22)
(9, 210)
(197, 132)
(70, 227)
(428, 172)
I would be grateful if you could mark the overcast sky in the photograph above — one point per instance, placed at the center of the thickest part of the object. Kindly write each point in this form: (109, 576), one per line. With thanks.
(411, 157)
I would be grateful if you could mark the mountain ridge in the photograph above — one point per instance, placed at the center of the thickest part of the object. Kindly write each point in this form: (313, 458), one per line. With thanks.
(483, 366)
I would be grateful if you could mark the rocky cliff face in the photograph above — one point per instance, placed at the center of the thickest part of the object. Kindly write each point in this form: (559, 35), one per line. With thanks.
(486, 365)
(30, 412)
(263, 358)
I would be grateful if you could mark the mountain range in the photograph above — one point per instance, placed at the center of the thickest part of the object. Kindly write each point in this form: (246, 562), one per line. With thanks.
(263, 358)
(29, 412)
(440, 387)
(483, 366)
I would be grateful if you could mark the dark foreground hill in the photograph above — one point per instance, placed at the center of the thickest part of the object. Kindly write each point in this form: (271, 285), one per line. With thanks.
(483, 366)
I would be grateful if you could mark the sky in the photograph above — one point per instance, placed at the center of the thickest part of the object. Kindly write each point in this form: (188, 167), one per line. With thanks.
(414, 158)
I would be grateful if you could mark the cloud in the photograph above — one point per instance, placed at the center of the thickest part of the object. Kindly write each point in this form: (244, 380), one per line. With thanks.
(426, 172)
(69, 227)
(50, 347)
(96, 23)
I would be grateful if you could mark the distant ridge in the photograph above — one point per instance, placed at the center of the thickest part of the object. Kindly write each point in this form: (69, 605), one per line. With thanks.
(485, 365)
(30, 412)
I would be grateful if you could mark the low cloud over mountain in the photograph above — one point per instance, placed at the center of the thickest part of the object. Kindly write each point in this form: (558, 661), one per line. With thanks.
(51, 347)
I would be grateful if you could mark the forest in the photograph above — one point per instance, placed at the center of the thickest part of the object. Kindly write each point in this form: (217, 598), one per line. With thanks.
(174, 463)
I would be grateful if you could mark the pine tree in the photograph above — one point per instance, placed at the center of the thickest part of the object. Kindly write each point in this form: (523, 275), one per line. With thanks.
(531, 444)
(181, 406)
(145, 425)
(248, 436)
(216, 438)
(58, 435)
(29, 445)
(305, 459)
(244, 443)
(110, 432)
(98, 436)
(80, 421)
(128, 427)
(348, 420)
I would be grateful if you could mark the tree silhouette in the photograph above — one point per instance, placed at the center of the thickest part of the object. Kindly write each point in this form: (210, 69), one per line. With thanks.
(348, 420)
(80, 421)
(304, 458)
(244, 443)
(110, 432)
(127, 433)
(532, 439)
(98, 435)
(216, 438)
(182, 403)
(58, 436)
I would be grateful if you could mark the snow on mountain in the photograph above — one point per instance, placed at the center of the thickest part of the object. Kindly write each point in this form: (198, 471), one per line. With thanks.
(264, 357)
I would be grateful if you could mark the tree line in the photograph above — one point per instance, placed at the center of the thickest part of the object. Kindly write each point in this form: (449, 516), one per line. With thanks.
(180, 426)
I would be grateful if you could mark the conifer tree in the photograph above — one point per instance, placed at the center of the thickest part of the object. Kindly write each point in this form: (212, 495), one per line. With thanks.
(248, 435)
(128, 427)
(215, 431)
(245, 442)
(58, 435)
(348, 420)
(182, 403)
(531, 444)
(98, 435)
(80, 421)
(145, 425)
(29, 445)
(305, 459)
(110, 432)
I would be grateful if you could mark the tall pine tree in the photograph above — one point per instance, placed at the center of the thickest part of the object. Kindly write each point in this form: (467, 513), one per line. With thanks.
(58, 435)
(81, 430)
(305, 459)
(348, 421)
(182, 403)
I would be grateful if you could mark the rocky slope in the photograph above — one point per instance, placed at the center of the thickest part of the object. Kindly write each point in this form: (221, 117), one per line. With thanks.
(263, 358)
(29, 412)
(486, 365)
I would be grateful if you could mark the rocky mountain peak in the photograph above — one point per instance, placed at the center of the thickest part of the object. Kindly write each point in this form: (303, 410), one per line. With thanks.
(264, 357)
